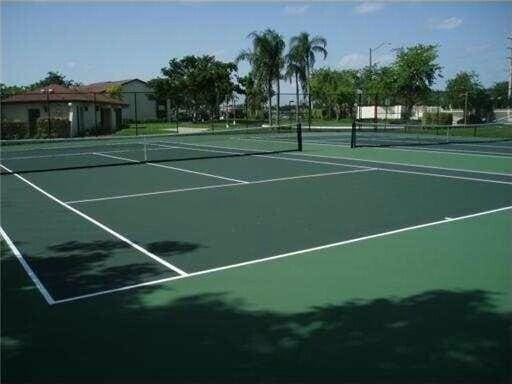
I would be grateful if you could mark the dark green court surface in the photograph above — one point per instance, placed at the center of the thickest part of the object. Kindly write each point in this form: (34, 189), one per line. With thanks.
(300, 267)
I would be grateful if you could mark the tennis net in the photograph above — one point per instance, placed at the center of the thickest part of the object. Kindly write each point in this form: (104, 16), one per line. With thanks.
(368, 134)
(19, 156)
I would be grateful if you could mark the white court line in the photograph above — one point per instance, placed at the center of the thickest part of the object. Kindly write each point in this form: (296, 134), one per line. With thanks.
(372, 161)
(261, 155)
(448, 151)
(173, 168)
(217, 186)
(49, 299)
(401, 164)
(412, 172)
(97, 223)
(486, 145)
(446, 176)
(302, 251)
(421, 148)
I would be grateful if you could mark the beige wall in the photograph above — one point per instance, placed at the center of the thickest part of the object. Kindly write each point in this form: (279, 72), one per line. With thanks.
(146, 108)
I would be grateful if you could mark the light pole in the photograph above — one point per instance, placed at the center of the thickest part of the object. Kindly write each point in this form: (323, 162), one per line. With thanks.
(373, 50)
(371, 74)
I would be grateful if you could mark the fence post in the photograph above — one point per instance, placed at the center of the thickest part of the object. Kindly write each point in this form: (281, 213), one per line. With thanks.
(309, 110)
(177, 119)
(136, 125)
(49, 116)
(95, 113)
(299, 136)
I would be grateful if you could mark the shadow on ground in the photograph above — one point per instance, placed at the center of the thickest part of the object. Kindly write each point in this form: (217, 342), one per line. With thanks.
(436, 336)
(74, 268)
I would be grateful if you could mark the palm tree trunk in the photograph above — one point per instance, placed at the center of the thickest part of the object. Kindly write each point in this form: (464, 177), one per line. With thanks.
(297, 97)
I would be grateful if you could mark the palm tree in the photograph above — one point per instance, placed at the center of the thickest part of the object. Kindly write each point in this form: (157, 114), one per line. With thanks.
(266, 60)
(295, 70)
(305, 47)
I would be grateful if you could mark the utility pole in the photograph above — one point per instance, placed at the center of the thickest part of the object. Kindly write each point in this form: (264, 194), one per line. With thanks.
(371, 74)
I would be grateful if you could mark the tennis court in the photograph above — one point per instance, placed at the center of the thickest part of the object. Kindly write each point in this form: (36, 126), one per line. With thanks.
(96, 217)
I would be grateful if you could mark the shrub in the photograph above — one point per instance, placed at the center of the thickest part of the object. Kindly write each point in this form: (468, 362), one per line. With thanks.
(435, 118)
(13, 130)
(472, 119)
(59, 128)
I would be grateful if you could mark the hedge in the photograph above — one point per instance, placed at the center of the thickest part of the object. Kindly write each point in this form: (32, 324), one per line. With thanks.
(433, 118)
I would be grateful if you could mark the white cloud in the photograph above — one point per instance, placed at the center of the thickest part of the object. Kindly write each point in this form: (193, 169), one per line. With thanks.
(71, 64)
(449, 23)
(295, 9)
(353, 60)
(478, 48)
(368, 7)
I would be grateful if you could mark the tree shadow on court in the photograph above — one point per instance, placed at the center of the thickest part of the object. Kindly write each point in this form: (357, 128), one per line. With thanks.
(74, 268)
(436, 336)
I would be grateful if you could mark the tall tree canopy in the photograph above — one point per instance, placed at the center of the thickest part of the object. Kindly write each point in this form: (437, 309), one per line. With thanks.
(54, 77)
(415, 70)
(198, 83)
(334, 91)
(254, 93)
(499, 94)
(466, 85)
(267, 61)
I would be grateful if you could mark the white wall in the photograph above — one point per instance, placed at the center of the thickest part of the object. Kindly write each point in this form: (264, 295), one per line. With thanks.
(19, 113)
(146, 108)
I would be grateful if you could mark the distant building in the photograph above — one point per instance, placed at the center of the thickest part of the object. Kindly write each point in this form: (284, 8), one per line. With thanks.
(83, 111)
(136, 93)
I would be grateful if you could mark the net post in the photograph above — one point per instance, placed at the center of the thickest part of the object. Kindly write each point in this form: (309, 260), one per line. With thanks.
(145, 147)
(299, 136)
(353, 134)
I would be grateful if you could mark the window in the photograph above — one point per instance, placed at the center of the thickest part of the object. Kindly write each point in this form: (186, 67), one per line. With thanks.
(86, 108)
(45, 109)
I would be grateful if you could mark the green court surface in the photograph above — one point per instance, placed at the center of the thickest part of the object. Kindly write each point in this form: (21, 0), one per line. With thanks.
(331, 264)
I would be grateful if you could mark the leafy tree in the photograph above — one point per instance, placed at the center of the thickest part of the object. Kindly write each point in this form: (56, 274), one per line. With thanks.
(54, 77)
(334, 90)
(415, 70)
(198, 83)
(466, 85)
(8, 90)
(267, 61)
(499, 94)
(295, 71)
(305, 48)
(114, 91)
(254, 93)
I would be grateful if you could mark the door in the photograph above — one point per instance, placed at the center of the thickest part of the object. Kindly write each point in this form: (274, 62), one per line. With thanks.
(33, 115)
(106, 120)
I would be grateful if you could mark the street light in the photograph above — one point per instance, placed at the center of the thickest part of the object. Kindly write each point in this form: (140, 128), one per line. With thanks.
(373, 50)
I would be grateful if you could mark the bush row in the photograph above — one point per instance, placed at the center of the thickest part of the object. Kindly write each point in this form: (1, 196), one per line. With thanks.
(434, 118)
(12, 130)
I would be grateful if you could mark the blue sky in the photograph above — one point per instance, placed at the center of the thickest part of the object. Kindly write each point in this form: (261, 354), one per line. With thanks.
(91, 42)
